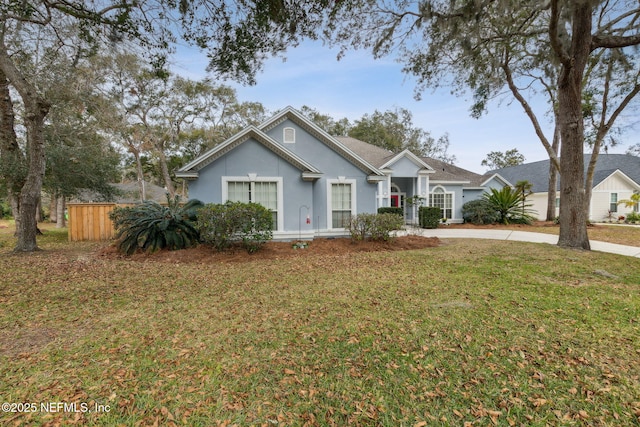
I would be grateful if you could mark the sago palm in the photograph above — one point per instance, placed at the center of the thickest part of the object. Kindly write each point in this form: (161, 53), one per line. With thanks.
(509, 204)
(151, 226)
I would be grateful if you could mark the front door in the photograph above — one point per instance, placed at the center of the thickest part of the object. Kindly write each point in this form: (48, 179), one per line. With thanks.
(397, 201)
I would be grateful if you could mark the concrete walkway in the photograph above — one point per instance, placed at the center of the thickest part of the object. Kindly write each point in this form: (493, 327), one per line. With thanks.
(520, 236)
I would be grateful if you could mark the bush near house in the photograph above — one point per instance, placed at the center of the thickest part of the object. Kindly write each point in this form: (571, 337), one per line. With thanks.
(151, 226)
(223, 225)
(510, 205)
(632, 218)
(391, 210)
(479, 212)
(374, 226)
(429, 217)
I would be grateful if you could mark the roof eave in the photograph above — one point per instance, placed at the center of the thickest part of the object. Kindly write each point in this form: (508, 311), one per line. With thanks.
(187, 175)
(449, 182)
(376, 178)
(311, 176)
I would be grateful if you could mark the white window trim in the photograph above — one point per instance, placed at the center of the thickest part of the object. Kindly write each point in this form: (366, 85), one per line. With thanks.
(340, 180)
(611, 202)
(444, 191)
(254, 178)
(284, 135)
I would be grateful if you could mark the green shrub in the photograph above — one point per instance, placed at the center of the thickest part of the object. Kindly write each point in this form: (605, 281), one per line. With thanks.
(384, 224)
(429, 217)
(248, 224)
(150, 226)
(632, 218)
(360, 225)
(479, 212)
(374, 226)
(510, 205)
(392, 210)
(5, 209)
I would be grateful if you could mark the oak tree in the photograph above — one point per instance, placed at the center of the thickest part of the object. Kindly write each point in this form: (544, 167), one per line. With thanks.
(474, 45)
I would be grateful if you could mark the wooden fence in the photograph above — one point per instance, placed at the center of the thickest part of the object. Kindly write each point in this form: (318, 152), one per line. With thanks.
(90, 221)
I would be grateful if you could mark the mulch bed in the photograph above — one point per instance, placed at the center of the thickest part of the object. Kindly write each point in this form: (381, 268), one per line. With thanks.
(276, 250)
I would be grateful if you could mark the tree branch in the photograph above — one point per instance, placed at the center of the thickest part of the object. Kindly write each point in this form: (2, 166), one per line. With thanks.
(529, 111)
(612, 42)
(554, 37)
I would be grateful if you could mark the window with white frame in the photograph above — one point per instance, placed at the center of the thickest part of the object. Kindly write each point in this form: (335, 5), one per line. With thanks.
(289, 135)
(613, 202)
(443, 200)
(341, 194)
(265, 191)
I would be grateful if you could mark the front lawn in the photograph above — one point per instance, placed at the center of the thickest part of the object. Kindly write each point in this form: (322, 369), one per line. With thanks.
(473, 332)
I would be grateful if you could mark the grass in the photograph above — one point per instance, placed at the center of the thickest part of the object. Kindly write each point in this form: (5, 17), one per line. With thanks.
(469, 333)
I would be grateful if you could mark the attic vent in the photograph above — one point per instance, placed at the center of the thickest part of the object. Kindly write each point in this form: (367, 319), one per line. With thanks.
(289, 135)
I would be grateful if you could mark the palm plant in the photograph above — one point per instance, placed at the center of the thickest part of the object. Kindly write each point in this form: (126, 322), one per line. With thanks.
(509, 204)
(632, 201)
(524, 188)
(151, 226)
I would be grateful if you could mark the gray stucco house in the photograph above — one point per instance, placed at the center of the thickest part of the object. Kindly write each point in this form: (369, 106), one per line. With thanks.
(313, 182)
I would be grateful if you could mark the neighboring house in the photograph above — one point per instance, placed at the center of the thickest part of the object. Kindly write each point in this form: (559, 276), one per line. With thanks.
(127, 193)
(616, 177)
(313, 182)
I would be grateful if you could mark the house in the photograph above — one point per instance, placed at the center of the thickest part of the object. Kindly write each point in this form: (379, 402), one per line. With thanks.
(616, 177)
(126, 193)
(313, 182)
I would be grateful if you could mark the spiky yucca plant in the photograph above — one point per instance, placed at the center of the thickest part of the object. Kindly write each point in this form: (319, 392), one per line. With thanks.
(510, 205)
(151, 226)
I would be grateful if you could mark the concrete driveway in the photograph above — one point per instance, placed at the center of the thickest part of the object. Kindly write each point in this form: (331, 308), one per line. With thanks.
(520, 236)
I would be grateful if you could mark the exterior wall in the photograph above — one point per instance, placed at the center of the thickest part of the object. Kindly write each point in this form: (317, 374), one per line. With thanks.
(458, 199)
(539, 205)
(495, 184)
(300, 198)
(471, 194)
(252, 157)
(601, 198)
(332, 166)
(404, 167)
(599, 208)
(600, 204)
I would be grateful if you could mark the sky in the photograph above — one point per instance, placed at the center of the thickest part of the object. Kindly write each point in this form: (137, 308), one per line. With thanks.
(358, 85)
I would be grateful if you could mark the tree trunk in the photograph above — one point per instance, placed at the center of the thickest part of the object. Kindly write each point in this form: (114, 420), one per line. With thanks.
(53, 209)
(165, 173)
(60, 206)
(36, 109)
(11, 157)
(141, 184)
(553, 176)
(15, 209)
(30, 192)
(573, 218)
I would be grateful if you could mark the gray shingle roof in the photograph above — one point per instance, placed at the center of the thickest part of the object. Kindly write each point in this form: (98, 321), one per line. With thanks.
(378, 156)
(129, 193)
(537, 173)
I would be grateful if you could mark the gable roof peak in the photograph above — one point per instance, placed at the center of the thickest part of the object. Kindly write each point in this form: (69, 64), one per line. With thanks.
(333, 142)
